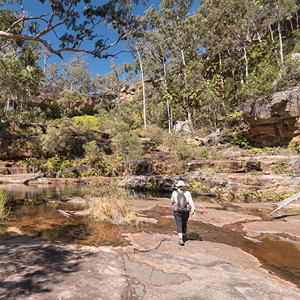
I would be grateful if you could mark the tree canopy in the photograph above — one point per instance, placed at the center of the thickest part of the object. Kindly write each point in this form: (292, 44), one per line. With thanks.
(72, 23)
(199, 61)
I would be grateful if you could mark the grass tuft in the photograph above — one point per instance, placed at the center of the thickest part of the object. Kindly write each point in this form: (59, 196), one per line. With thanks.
(110, 203)
(4, 197)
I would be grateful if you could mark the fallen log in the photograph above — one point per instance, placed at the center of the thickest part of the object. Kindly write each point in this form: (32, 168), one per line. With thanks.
(65, 214)
(284, 203)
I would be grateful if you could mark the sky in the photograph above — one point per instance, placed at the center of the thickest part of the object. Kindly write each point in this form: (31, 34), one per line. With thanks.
(97, 66)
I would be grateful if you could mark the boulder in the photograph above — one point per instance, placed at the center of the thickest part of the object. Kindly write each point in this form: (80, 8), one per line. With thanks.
(47, 94)
(180, 126)
(274, 120)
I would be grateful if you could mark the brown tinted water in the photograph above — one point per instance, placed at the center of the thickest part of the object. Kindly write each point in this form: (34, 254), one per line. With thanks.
(277, 253)
(44, 220)
(22, 191)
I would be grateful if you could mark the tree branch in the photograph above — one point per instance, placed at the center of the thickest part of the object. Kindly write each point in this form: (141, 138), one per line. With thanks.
(75, 34)
(48, 29)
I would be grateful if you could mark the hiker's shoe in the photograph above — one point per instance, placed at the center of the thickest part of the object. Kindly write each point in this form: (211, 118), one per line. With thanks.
(184, 238)
(181, 242)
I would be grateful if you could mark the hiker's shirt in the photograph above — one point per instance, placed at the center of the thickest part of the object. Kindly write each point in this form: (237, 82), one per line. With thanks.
(188, 198)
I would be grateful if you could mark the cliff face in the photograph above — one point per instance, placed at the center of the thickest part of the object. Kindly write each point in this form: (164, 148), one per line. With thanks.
(274, 120)
(50, 93)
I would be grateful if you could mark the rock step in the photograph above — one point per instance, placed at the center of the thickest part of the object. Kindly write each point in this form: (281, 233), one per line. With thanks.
(237, 185)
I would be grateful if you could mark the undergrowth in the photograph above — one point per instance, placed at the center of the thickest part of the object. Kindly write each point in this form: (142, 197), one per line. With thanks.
(110, 203)
(4, 197)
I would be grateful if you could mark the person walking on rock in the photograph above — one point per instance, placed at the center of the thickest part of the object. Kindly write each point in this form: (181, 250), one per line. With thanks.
(183, 204)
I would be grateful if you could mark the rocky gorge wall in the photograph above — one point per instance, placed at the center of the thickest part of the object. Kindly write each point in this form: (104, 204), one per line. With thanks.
(274, 120)
(49, 93)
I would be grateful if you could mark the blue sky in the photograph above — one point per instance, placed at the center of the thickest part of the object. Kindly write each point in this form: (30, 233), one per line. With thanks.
(97, 66)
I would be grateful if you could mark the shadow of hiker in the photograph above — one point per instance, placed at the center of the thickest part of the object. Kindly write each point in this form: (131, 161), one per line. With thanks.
(193, 236)
(29, 265)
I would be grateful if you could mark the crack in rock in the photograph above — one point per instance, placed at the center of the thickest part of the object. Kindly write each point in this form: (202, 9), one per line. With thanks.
(142, 274)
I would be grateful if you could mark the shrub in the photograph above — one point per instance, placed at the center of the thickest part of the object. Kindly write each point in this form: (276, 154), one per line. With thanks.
(241, 141)
(86, 122)
(58, 140)
(92, 152)
(132, 150)
(290, 73)
(3, 204)
(156, 134)
(112, 203)
(122, 127)
(182, 150)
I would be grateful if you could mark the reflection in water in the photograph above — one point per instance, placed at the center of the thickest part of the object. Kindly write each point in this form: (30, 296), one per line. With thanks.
(22, 191)
(44, 220)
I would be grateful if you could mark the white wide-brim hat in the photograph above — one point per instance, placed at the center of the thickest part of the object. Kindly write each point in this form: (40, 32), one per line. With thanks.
(180, 183)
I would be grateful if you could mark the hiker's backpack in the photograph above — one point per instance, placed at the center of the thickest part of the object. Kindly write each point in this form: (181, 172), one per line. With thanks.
(181, 205)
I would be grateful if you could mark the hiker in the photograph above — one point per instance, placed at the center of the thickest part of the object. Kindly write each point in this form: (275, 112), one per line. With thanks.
(182, 205)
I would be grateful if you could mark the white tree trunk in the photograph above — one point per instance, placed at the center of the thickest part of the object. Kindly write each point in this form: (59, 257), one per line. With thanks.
(279, 31)
(246, 62)
(143, 83)
(221, 73)
(271, 33)
(185, 86)
(168, 107)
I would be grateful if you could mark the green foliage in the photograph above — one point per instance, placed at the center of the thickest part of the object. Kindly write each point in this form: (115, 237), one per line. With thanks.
(241, 141)
(131, 148)
(86, 122)
(293, 148)
(252, 195)
(182, 150)
(279, 197)
(92, 151)
(75, 23)
(19, 79)
(4, 197)
(59, 140)
(91, 172)
(290, 72)
(122, 127)
(54, 166)
(198, 187)
(279, 168)
(238, 115)
(178, 146)
(156, 134)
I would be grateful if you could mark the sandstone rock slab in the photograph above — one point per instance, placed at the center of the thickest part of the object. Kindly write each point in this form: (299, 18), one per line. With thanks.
(220, 217)
(255, 229)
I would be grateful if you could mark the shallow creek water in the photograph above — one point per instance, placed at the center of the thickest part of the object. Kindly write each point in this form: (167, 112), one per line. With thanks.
(280, 254)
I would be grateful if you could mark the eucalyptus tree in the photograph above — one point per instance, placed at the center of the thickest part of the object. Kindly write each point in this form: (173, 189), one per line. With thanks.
(113, 84)
(177, 27)
(276, 12)
(19, 78)
(135, 46)
(73, 75)
(158, 56)
(231, 29)
(72, 24)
